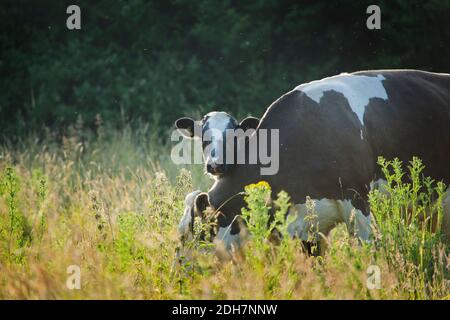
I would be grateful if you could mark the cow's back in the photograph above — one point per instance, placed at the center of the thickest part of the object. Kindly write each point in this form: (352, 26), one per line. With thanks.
(413, 121)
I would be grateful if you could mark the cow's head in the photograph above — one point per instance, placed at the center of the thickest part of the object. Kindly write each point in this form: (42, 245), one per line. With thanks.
(212, 129)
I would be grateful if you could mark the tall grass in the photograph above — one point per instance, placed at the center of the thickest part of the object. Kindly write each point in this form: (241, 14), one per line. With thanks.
(410, 219)
(110, 204)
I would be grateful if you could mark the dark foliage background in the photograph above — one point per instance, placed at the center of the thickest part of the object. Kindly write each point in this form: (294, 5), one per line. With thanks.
(152, 61)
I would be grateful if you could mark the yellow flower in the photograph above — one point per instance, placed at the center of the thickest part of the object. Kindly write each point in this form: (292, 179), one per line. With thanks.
(260, 185)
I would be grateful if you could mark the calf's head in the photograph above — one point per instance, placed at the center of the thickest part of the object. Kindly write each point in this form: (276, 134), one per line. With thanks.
(213, 129)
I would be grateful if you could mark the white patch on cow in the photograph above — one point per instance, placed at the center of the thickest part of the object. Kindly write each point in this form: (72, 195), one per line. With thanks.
(328, 213)
(228, 240)
(216, 124)
(184, 229)
(357, 89)
(380, 185)
(218, 120)
(361, 134)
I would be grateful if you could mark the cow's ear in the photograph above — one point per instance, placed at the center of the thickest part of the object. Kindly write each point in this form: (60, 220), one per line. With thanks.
(201, 203)
(249, 123)
(186, 126)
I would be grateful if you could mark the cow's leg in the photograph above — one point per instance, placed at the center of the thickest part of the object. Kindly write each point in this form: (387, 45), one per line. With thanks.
(229, 240)
(186, 223)
(357, 223)
(185, 228)
(324, 216)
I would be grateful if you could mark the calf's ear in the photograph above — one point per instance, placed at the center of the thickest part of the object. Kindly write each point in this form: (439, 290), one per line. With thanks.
(201, 202)
(249, 123)
(186, 126)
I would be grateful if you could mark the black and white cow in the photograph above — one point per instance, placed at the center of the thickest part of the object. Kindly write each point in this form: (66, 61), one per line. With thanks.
(330, 134)
(212, 130)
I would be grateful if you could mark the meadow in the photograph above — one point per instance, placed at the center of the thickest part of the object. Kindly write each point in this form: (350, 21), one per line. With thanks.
(110, 201)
